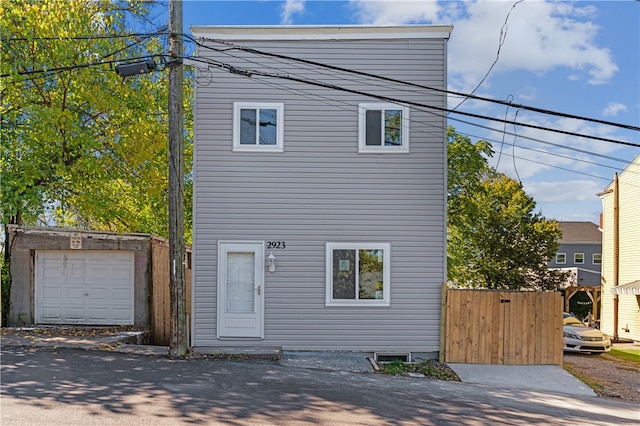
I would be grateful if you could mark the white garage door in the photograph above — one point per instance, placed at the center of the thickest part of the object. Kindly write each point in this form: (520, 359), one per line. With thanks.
(84, 287)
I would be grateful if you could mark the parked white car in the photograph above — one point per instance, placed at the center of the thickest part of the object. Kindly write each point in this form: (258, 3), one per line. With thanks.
(580, 338)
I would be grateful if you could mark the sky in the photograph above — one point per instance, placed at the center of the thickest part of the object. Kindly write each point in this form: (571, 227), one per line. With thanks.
(573, 57)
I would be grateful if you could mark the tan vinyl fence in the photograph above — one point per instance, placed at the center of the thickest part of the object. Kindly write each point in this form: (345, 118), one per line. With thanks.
(160, 296)
(502, 327)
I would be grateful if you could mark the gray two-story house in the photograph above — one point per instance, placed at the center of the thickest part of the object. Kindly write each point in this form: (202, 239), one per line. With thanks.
(319, 215)
(580, 252)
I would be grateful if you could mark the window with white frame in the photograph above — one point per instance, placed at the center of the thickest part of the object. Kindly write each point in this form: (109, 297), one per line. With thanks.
(597, 258)
(358, 274)
(578, 258)
(383, 127)
(258, 126)
(561, 258)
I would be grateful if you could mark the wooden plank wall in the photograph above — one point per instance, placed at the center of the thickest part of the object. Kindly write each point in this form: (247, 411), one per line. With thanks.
(503, 327)
(160, 294)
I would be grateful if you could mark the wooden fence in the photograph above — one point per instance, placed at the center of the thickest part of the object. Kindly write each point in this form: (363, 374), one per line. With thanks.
(160, 296)
(502, 327)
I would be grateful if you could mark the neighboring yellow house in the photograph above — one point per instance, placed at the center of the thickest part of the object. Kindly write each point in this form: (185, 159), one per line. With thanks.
(621, 241)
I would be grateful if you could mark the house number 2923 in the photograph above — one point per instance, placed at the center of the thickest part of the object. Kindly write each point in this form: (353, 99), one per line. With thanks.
(276, 245)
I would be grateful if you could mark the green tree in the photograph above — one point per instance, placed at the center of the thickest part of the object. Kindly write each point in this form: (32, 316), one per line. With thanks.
(496, 240)
(80, 145)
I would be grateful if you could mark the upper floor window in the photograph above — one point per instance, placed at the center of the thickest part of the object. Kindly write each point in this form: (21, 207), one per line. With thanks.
(561, 258)
(258, 126)
(383, 127)
(597, 258)
(578, 258)
(358, 274)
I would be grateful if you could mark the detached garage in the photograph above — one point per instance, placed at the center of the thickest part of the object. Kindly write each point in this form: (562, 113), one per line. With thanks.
(84, 287)
(61, 276)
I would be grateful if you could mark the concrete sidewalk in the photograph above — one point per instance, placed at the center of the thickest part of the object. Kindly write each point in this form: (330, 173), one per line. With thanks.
(544, 378)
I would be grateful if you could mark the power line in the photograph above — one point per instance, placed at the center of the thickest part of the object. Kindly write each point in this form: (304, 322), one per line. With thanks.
(541, 141)
(501, 39)
(80, 66)
(347, 106)
(90, 37)
(232, 46)
(393, 80)
(249, 73)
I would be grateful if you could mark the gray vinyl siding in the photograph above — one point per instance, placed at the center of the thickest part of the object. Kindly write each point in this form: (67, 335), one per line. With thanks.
(320, 189)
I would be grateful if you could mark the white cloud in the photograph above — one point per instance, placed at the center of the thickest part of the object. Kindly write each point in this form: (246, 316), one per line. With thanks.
(395, 12)
(289, 8)
(557, 192)
(613, 109)
(539, 36)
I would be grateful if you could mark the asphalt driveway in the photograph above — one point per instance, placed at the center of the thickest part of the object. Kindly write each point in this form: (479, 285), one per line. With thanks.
(63, 386)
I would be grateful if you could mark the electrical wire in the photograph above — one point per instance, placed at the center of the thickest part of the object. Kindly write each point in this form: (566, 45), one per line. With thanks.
(231, 46)
(348, 106)
(393, 80)
(504, 127)
(88, 37)
(515, 136)
(247, 73)
(501, 39)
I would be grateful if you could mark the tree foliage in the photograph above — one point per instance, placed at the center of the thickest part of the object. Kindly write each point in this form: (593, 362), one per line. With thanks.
(80, 145)
(496, 240)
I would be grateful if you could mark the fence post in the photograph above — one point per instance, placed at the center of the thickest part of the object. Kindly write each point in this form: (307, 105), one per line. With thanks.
(443, 322)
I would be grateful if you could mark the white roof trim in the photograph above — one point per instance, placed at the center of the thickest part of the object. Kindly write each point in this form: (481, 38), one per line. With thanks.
(630, 288)
(327, 32)
(65, 232)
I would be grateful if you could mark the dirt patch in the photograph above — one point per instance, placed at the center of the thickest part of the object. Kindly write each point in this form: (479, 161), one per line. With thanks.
(64, 331)
(609, 376)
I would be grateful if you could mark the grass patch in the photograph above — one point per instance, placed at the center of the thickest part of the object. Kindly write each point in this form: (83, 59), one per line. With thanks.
(628, 354)
(429, 368)
(584, 379)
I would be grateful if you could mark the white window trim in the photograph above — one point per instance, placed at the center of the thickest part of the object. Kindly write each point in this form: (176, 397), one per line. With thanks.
(575, 258)
(386, 274)
(565, 259)
(362, 126)
(593, 258)
(279, 107)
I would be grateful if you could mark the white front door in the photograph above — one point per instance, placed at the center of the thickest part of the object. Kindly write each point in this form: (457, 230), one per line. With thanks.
(240, 289)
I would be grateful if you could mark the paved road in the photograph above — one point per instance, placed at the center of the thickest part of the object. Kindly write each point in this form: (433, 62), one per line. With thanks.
(63, 386)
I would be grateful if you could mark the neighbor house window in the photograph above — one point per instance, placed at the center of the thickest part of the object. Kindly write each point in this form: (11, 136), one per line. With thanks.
(258, 126)
(597, 258)
(578, 258)
(383, 128)
(561, 258)
(358, 274)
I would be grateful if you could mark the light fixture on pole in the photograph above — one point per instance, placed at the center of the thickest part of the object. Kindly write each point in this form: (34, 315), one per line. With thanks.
(136, 68)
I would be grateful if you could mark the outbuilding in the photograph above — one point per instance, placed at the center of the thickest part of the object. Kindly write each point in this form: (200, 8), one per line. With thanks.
(62, 276)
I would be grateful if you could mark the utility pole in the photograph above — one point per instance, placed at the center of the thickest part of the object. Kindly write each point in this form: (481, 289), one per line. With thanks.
(178, 345)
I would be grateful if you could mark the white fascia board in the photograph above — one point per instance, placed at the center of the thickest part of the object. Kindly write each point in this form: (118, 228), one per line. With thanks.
(326, 32)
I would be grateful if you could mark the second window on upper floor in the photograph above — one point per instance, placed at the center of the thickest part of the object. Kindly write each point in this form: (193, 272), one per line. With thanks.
(258, 126)
(578, 258)
(383, 127)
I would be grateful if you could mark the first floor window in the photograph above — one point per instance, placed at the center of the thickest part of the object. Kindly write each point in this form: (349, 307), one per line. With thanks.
(257, 126)
(358, 274)
(578, 258)
(561, 258)
(383, 128)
